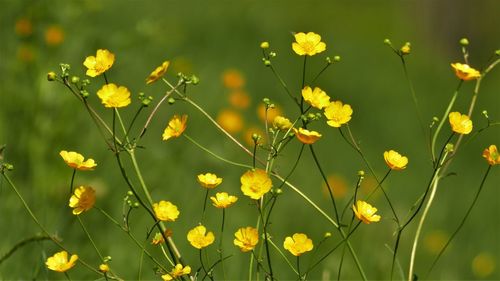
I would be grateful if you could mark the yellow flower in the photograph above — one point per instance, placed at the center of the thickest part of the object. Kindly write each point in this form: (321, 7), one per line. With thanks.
(365, 212)
(491, 155)
(165, 211)
(54, 35)
(282, 123)
(298, 244)
(223, 200)
(175, 127)
(306, 136)
(199, 237)
(239, 99)
(460, 123)
(176, 272)
(308, 44)
(255, 183)
(59, 262)
(230, 120)
(97, 65)
(465, 72)
(82, 200)
(338, 113)
(104, 267)
(75, 160)
(246, 238)
(112, 95)
(394, 160)
(483, 265)
(158, 72)
(316, 98)
(233, 79)
(406, 49)
(209, 180)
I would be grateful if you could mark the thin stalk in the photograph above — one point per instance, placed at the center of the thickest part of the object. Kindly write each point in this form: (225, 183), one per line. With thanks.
(204, 205)
(90, 238)
(220, 243)
(321, 72)
(284, 256)
(22, 243)
(283, 84)
(71, 182)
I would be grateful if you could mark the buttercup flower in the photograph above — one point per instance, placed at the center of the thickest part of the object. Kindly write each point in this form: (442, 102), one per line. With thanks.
(54, 35)
(176, 272)
(175, 127)
(246, 238)
(255, 183)
(365, 212)
(306, 136)
(82, 200)
(104, 267)
(338, 113)
(230, 120)
(406, 48)
(239, 99)
(97, 65)
(115, 96)
(316, 98)
(199, 237)
(308, 44)
(394, 160)
(491, 155)
(460, 123)
(465, 72)
(75, 160)
(165, 211)
(298, 244)
(59, 262)
(223, 200)
(282, 123)
(157, 73)
(233, 79)
(209, 180)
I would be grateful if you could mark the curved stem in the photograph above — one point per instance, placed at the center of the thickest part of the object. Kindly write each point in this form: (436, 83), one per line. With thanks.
(90, 238)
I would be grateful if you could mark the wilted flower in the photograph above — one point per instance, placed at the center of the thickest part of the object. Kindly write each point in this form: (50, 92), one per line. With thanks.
(338, 113)
(465, 72)
(305, 136)
(298, 244)
(82, 200)
(491, 155)
(199, 237)
(59, 262)
(316, 98)
(308, 44)
(365, 212)
(246, 238)
(460, 123)
(97, 65)
(175, 127)
(209, 180)
(165, 211)
(255, 183)
(158, 72)
(115, 96)
(76, 160)
(394, 160)
(223, 200)
(176, 272)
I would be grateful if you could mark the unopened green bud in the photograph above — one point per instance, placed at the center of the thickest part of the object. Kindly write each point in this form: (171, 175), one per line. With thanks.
(464, 41)
(75, 79)
(328, 60)
(171, 101)
(129, 202)
(266, 100)
(84, 94)
(195, 80)
(7, 166)
(136, 205)
(387, 42)
(85, 82)
(267, 62)
(51, 76)
(272, 54)
(130, 193)
(361, 173)
(485, 113)
(256, 138)
(497, 52)
(278, 191)
(336, 58)
(449, 147)
(435, 119)
(264, 45)
(311, 116)
(327, 234)
(147, 101)
(106, 259)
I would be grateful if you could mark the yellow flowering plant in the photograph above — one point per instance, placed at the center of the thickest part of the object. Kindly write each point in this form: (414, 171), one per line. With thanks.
(267, 176)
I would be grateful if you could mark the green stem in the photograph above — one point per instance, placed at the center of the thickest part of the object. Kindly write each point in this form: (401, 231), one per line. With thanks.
(71, 182)
(283, 84)
(283, 255)
(22, 243)
(90, 238)
(220, 243)
(204, 205)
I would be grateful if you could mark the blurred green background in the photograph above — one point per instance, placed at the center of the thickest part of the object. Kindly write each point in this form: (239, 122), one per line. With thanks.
(211, 39)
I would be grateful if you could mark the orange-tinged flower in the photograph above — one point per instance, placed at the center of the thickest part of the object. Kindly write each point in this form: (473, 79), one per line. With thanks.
(465, 72)
(230, 120)
(306, 136)
(233, 79)
(158, 72)
(115, 96)
(316, 98)
(308, 44)
(282, 123)
(59, 262)
(209, 180)
(199, 237)
(338, 186)
(99, 64)
(175, 127)
(255, 183)
(239, 99)
(246, 238)
(82, 200)
(338, 113)
(223, 200)
(460, 123)
(298, 244)
(76, 160)
(395, 161)
(54, 35)
(24, 27)
(176, 272)
(165, 211)
(491, 155)
(157, 239)
(365, 212)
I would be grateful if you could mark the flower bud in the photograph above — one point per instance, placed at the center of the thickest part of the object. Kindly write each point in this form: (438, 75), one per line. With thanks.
(464, 42)
(264, 45)
(449, 147)
(328, 60)
(171, 101)
(406, 49)
(7, 166)
(51, 76)
(103, 268)
(130, 193)
(272, 54)
(267, 62)
(256, 138)
(84, 94)
(361, 173)
(387, 42)
(497, 52)
(327, 234)
(485, 113)
(194, 79)
(75, 79)
(336, 58)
